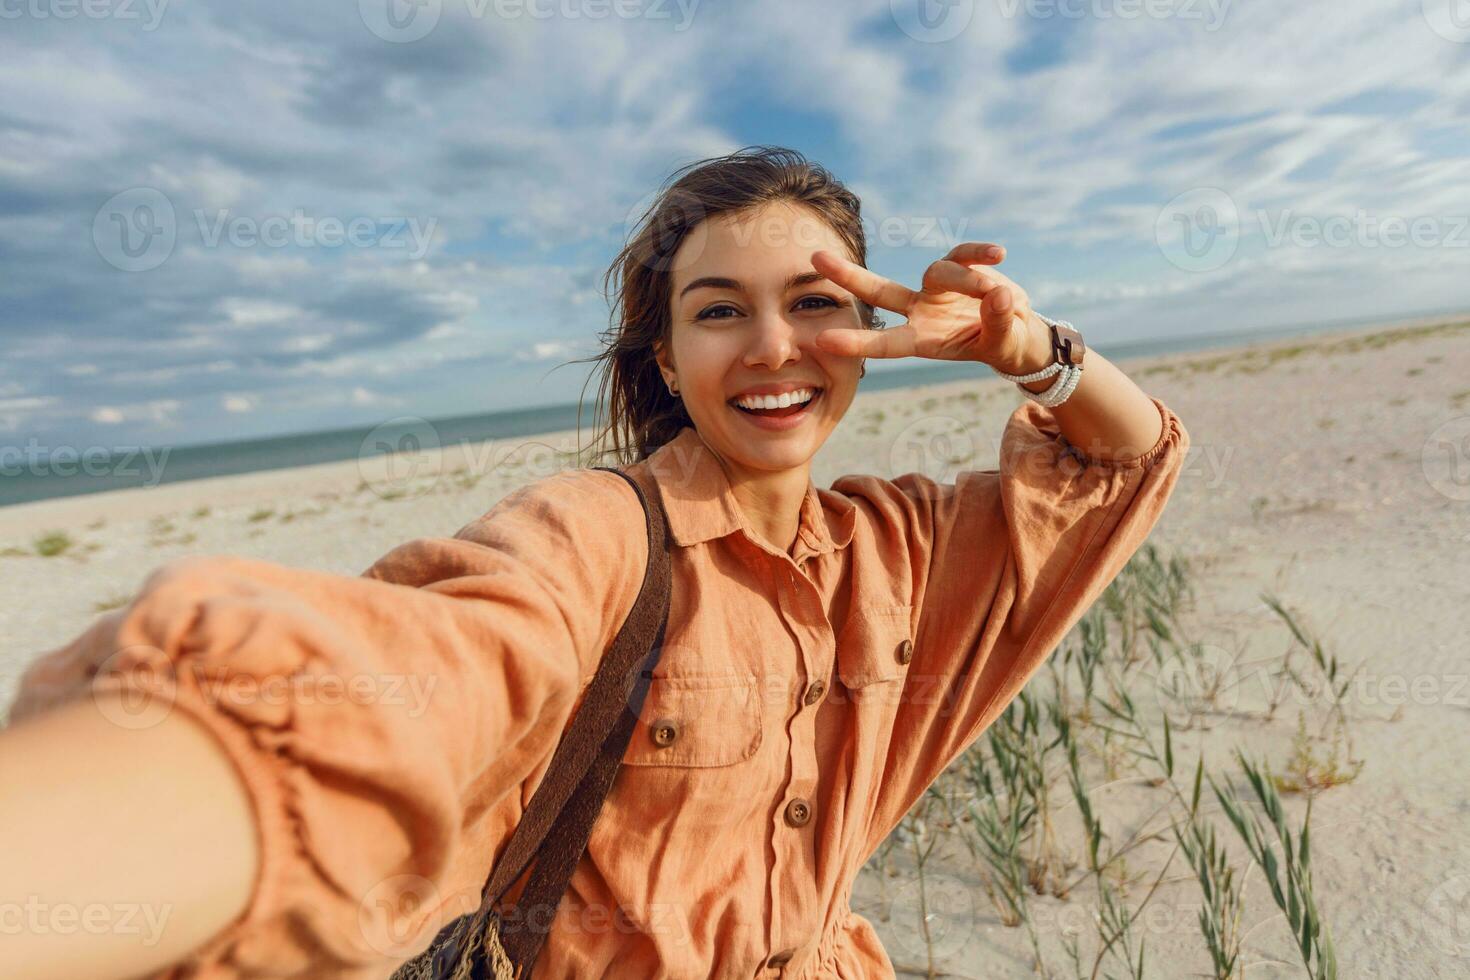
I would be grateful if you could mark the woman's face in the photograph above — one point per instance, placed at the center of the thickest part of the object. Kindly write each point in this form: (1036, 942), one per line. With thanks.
(746, 308)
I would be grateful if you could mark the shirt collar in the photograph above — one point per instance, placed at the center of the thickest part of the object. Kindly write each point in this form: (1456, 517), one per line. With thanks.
(701, 506)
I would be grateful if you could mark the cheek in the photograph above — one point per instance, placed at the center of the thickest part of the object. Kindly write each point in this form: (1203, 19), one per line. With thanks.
(702, 356)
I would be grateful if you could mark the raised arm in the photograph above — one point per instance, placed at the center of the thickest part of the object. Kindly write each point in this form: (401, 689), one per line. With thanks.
(384, 729)
(1007, 561)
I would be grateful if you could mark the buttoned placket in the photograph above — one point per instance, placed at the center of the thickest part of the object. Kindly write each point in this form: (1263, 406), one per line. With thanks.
(793, 884)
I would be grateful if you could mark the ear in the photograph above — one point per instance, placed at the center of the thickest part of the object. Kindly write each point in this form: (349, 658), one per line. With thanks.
(664, 359)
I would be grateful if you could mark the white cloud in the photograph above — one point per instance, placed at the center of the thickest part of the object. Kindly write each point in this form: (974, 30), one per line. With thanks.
(260, 112)
(243, 312)
(547, 350)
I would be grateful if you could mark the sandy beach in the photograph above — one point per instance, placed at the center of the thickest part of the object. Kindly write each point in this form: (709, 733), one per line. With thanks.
(1329, 470)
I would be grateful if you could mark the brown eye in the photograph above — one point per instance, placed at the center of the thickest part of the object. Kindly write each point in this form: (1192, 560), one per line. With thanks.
(709, 314)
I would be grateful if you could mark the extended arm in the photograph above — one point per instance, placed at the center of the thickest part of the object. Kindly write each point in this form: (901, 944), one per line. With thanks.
(124, 848)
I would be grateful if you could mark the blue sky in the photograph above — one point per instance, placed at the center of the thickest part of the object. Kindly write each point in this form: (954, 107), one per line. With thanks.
(223, 220)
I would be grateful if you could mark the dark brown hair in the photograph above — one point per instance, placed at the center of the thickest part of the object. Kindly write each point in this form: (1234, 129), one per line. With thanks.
(637, 410)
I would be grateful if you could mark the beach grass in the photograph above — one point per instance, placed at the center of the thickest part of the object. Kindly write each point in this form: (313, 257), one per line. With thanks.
(1036, 805)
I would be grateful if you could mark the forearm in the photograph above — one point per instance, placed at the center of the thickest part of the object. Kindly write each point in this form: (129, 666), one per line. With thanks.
(125, 849)
(1107, 416)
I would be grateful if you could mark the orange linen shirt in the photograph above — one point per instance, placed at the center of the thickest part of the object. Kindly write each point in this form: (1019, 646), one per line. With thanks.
(390, 727)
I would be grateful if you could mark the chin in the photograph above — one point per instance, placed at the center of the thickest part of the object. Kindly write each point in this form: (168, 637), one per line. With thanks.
(779, 453)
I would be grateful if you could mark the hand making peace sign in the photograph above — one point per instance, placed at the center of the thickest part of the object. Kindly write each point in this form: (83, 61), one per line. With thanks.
(962, 313)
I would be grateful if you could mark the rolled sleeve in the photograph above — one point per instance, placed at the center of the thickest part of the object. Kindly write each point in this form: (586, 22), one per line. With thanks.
(386, 726)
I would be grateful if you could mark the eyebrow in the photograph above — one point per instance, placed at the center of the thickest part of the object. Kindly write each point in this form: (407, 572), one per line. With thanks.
(722, 282)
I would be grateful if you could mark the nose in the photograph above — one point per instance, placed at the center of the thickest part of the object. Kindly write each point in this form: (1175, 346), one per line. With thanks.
(774, 342)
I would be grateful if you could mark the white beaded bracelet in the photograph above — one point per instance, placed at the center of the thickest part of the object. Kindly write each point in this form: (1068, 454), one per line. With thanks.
(1060, 390)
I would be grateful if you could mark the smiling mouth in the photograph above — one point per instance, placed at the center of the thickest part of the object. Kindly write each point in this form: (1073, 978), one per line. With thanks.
(780, 412)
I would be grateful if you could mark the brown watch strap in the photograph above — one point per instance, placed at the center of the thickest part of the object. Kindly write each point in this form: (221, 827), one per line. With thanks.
(1066, 344)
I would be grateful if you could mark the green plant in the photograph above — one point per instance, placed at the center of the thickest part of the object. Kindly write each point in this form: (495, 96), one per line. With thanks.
(1220, 913)
(1290, 876)
(922, 842)
(1309, 772)
(53, 543)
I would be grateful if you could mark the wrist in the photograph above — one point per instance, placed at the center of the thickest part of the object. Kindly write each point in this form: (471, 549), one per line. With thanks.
(1035, 356)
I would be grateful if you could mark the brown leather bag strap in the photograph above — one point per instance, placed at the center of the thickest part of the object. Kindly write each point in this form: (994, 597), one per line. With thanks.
(559, 817)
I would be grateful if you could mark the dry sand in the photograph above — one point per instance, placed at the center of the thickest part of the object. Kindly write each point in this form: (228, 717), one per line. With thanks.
(1332, 470)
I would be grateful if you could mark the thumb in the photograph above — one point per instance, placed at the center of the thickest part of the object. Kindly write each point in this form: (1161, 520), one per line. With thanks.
(997, 315)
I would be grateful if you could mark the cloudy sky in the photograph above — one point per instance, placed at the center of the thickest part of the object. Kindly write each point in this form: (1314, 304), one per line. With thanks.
(222, 220)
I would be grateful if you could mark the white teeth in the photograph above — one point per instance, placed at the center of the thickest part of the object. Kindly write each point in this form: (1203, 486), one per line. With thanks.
(784, 400)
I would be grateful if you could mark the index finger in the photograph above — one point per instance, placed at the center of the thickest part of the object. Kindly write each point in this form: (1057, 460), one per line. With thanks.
(862, 283)
(978, 253)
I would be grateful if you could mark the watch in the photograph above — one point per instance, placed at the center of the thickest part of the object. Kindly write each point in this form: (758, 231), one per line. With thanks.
(1066, 343)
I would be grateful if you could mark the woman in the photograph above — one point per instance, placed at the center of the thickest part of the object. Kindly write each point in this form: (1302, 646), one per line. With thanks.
(828, 654)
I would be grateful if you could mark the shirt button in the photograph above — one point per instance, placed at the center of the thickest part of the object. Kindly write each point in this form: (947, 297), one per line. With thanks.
(780, 959)
(798, 812)
(815, 692)
(664, 732)
(905, 651)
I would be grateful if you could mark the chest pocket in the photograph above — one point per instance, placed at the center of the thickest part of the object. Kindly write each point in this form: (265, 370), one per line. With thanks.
(697, 722)
(875, 645)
